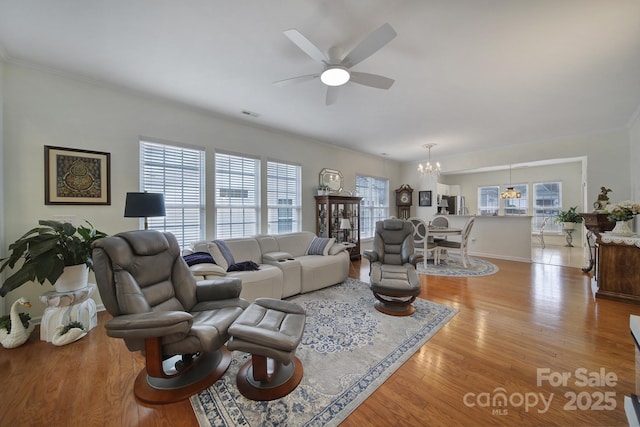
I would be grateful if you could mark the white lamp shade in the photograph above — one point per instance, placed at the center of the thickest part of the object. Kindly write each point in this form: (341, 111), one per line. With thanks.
(345, 224)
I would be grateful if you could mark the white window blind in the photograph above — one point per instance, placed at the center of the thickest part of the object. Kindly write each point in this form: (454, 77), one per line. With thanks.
(237, 196)
(374, 205)
(178, 173)
(488, 200)
(284, 205)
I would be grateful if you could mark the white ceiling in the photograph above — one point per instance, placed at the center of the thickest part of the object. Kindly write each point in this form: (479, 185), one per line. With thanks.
(470, 74)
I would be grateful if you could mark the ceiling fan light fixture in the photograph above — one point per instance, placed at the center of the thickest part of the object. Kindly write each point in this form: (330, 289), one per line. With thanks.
(335, 76)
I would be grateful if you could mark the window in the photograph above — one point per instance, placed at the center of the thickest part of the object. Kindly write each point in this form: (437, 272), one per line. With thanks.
(237, 196)
(488, 200)
(178, 173)
(284, 204)
(517, 206)
(547, 201)
(374, 205)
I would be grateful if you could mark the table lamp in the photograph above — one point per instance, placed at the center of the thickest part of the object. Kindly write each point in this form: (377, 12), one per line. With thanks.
(144, 205)
(444, 206)
(345, 225)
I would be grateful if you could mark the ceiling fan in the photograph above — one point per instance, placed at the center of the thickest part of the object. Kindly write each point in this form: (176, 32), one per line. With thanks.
(336, 71)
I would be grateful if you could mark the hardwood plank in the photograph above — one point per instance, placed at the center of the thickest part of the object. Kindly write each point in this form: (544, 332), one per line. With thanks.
(525, 317)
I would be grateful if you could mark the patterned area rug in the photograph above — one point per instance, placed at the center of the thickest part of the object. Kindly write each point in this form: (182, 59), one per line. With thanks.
(348, 350)
(453, 267)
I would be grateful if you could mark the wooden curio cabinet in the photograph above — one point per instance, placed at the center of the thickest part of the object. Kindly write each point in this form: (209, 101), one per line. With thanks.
(339, 217)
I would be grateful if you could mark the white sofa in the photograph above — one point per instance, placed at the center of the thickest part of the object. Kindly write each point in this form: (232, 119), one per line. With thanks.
(285, 268)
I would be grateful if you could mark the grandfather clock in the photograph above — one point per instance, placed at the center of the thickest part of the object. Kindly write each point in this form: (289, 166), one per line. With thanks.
(404, 196)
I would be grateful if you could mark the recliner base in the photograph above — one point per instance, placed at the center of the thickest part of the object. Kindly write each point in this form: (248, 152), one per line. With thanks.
(284, 380)
(208, 369)
(394, 307)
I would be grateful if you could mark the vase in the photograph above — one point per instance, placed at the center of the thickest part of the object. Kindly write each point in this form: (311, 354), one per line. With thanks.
(622, 229)
(73, 277)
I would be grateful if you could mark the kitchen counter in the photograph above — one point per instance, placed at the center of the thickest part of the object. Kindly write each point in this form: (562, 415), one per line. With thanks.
(504, 237)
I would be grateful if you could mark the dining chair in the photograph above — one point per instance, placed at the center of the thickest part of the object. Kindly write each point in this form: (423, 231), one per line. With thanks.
(422, 242)
(440, 221)
(461, 246)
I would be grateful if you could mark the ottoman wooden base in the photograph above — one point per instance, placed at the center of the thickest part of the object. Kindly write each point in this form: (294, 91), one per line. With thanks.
(256, 383)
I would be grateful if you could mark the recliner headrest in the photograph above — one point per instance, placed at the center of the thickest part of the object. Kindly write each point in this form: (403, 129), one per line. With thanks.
(145, 242)
(393, 224)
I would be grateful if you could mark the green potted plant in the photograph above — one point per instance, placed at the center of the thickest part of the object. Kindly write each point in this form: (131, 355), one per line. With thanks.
(568, 218)
(48, 251)
(323, 189)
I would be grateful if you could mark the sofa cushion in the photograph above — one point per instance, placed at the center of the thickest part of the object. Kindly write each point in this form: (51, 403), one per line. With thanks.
(221, 254)
(295, 243)
(320, 246)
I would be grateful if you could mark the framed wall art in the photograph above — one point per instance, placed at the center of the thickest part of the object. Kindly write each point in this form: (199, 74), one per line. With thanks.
(76, 177)
(424, 198)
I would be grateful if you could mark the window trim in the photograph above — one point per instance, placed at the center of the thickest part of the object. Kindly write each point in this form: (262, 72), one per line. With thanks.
(257, 207)
(181, 207)
(297, 208)
(385, 208)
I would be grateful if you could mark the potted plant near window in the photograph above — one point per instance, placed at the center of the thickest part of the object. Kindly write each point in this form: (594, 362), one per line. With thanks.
(568, 218)
(56, 252)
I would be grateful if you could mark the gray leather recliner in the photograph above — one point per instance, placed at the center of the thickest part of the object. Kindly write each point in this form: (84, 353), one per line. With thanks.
(158, 308)
(393, 277)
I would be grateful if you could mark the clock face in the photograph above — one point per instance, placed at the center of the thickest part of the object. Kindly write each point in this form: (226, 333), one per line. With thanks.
(404, 197)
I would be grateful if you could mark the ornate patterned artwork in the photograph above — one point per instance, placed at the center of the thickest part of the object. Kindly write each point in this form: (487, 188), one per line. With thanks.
(75, 176)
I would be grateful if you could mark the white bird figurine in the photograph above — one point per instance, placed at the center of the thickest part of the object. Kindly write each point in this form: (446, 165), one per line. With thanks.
(62, 337)
(19, 334)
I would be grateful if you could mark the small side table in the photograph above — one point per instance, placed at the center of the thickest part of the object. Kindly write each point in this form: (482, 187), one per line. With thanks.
(65, 307)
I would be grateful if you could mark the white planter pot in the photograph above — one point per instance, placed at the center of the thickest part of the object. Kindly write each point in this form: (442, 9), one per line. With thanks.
(73, 278)
(568, 225)
(622, 229)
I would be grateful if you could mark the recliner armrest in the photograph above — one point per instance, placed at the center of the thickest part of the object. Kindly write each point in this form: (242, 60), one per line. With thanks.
(415, 258)
(149, 325)
(218, 289)
(372, 256)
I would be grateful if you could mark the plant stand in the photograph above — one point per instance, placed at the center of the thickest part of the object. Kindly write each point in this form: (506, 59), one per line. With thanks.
(569, 237)
(65, 307)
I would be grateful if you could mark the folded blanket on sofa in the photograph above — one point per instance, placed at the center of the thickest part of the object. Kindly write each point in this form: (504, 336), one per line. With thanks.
(244, 266)
(198, 258)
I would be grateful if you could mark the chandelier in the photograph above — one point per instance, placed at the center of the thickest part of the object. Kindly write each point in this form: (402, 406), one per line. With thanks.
(429, 168)
(510, 193)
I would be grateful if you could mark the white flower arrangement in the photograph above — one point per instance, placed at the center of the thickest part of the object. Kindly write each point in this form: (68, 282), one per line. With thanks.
(622, 211)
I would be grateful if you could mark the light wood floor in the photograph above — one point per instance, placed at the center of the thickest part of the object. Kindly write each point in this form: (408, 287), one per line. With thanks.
(525, 317)
(559, 255)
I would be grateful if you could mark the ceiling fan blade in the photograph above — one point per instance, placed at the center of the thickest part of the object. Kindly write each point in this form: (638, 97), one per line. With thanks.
(372, 80)
(299, 79)
(332, 95)
(370, 45)
(305, 45)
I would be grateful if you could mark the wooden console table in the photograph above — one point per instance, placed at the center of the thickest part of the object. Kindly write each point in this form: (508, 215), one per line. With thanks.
(618, 268)
(595, 223)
